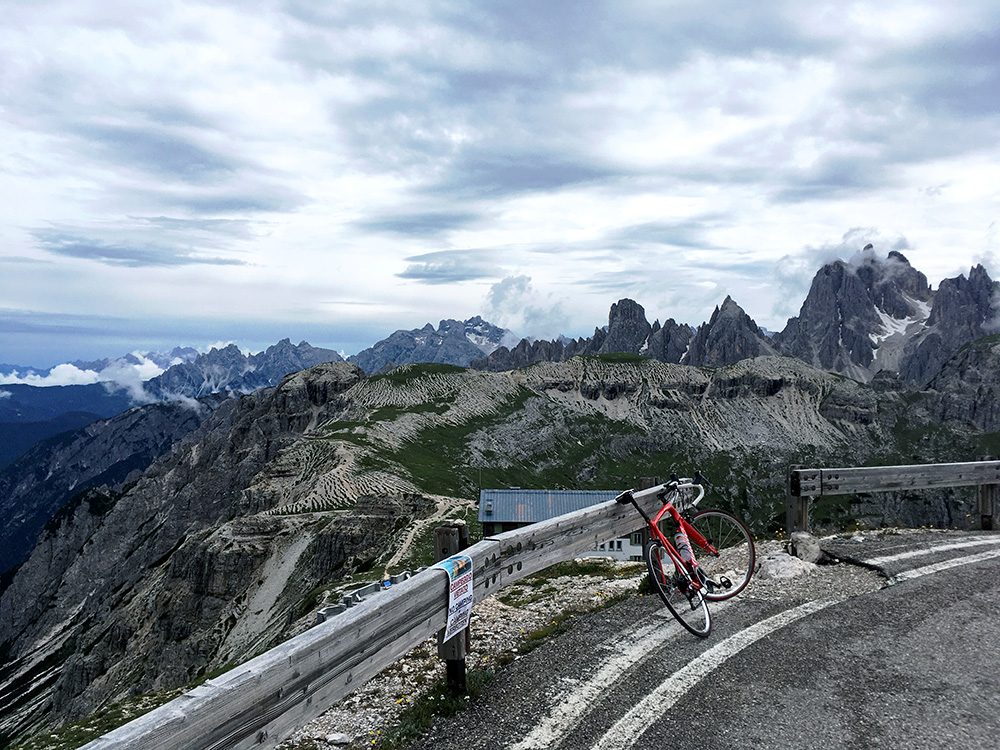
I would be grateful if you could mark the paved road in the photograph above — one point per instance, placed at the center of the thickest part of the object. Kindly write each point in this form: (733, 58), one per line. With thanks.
(912, 665)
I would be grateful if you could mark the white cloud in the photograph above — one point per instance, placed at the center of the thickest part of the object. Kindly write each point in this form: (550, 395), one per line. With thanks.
(514, 304)
(5, 394)
(64, 374)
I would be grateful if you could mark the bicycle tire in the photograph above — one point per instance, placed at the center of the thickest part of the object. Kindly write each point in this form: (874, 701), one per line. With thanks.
(668, 580)
(736, 558)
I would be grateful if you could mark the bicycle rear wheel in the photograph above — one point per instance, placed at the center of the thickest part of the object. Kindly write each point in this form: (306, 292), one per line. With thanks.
(730, 570)
(671, 583)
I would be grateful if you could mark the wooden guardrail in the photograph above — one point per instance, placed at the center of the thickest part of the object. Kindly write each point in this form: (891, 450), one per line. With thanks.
(261, 702)
(806, 483)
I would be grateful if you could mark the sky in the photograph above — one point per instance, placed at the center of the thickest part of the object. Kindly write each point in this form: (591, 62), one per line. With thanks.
(186, 173)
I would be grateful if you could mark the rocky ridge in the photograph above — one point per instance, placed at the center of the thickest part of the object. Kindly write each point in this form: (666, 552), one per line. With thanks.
(228, 369)
(627, 332)
(452, 342)
(729, 336)
(104, 453)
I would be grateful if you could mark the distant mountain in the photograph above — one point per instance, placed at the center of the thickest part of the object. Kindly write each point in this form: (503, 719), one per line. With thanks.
(873, 315)
(627, 332)
(17, 437)
(105, 452)
(107, 368)
(176, 356)
(28, 403)
(228, 369)
(858, 316)
(728, 337)
(963, 310)
(29, 413)
(32, 413)
(453, 342)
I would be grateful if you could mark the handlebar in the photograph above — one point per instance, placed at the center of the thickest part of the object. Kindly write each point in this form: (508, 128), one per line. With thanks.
(663, 491)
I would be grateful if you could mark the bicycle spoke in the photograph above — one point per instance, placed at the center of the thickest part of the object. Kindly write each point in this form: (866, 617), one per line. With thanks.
(688, 606)
(730, 569)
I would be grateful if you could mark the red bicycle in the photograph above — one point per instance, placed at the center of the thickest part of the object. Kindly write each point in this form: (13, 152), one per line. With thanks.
(684, 583)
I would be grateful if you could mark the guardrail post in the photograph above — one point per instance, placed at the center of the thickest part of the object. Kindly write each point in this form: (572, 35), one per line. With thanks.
(987, 495)
(450, 539)
(796, 506)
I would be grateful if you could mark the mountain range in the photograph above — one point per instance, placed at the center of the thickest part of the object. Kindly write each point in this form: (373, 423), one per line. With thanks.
(859, 319)
(177, 538)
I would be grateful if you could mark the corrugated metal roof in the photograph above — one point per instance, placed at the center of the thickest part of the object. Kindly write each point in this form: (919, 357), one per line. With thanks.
(531, 506)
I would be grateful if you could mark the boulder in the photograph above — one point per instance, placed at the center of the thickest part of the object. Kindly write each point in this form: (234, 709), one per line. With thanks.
(783, 565)
(805, 546)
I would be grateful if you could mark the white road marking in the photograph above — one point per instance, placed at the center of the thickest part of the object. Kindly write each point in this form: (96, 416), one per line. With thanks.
(574, 705)
(630, 727)
(930, 550)
(907, 575)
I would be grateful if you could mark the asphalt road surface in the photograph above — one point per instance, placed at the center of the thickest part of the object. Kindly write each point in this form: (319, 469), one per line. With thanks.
(912, 665)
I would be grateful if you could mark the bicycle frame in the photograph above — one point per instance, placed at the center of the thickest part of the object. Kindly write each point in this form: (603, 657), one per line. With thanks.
(687, 529)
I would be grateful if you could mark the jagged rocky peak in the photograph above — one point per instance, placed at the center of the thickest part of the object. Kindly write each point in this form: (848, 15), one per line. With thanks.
(728, 337)
(453, 342)
(964, 309)
(858, 315)
(669, 342)
(628, 328)
(628, 331)
(228, 369)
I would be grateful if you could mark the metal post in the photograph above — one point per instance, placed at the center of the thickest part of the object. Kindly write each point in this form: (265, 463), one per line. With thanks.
(987, 495)
(450, 539)
(796, 506)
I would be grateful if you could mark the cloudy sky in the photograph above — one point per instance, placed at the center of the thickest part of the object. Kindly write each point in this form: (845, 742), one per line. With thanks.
(193, 172)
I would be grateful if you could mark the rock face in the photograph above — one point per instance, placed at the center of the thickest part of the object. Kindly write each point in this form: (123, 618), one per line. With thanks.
(627, 332)
(729, 336)
(967, 388)
(137, 589)
(105, 452)
(452, 342)
(858, 315)
(964, 309)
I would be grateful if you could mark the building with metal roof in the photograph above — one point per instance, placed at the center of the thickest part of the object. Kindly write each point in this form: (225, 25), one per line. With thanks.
(504, 510)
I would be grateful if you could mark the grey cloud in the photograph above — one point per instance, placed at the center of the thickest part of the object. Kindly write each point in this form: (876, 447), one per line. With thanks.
(491, 175)
(21, 260)
(60, 324)
(692, 233)
(235, 200)
(430, 223)
(448, 266)
(240, 228)
(59, 242)
(157, 151)
(832, 176)
(513, 303)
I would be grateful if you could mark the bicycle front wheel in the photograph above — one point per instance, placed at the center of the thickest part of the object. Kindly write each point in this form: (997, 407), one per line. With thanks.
(671, 583)
(730, 569)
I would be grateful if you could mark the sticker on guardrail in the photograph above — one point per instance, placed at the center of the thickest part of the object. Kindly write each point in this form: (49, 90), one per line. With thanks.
(459, 570)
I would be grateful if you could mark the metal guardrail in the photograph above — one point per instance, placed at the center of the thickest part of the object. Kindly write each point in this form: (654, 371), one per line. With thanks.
(806, 483)
(263, 701)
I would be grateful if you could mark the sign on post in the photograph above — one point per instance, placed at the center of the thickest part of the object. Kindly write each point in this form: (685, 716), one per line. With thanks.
(459, 570)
